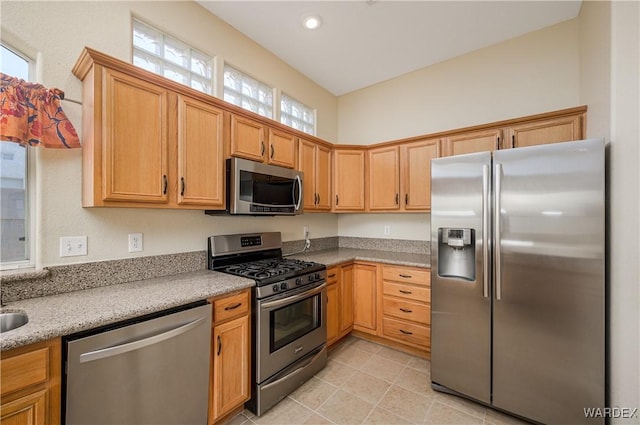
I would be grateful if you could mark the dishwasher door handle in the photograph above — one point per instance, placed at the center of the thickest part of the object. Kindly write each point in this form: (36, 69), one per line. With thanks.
(136, 345)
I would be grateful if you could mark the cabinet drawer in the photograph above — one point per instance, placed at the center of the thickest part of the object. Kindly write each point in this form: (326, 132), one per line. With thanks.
(410, 292)
(332, 275)
(231, 306)
(406, 310)
(410, 333)
(24, 370)
(407, 275)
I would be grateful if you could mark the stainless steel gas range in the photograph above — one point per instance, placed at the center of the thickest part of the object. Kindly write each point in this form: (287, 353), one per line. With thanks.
(288, 313)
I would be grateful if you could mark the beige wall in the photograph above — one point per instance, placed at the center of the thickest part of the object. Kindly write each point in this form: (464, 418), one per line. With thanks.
(535, 73)
(106, 26)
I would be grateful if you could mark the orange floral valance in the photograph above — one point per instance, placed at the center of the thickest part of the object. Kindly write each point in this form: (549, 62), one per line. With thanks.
(30, 114)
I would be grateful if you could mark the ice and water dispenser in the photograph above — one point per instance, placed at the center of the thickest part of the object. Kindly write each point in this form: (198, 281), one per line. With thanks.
(457, 253)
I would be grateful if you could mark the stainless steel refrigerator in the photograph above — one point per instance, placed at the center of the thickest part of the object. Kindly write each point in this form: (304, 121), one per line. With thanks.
(518, 283)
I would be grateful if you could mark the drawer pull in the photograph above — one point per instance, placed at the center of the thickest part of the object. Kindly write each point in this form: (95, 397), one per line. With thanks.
(232, 307)
(404, 310)
(406, 332)
(332, 275)
(406, 276)
(405, 292)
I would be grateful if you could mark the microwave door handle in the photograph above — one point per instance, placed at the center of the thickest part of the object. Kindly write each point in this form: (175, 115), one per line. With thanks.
(299, 193)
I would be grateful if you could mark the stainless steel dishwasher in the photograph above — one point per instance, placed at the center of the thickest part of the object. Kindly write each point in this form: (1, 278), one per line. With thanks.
(149, 371)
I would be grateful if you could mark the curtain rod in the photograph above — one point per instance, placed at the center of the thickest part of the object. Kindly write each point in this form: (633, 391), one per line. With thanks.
(62, 97)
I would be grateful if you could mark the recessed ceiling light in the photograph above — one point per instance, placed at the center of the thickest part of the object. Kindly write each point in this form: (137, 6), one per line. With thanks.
(311, 22)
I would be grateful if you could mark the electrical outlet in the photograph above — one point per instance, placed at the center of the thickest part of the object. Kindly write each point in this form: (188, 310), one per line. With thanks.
(135, 242)
(72, 246)
(387, 230)
(305, 232)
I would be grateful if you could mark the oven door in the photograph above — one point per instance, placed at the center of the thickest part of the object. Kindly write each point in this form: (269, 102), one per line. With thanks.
(262, 189)
(289, 326)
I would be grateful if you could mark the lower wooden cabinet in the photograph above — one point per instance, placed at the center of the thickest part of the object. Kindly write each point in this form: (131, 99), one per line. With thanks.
(30, 384)
(339, 302)
(230, 355)
(364, 298)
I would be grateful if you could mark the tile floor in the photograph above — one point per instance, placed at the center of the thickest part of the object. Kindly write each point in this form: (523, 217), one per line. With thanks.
(367, 383)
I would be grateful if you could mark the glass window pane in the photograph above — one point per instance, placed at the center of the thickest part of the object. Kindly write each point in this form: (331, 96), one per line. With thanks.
(176, 52)
(146, 38)
(147, 62)
(247, 92)
(297, 115)
(176, 74)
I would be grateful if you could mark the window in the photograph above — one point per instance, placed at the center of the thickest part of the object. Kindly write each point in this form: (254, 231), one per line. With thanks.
(159, 53)
(297, 115)
(15, 223)
(247, 92)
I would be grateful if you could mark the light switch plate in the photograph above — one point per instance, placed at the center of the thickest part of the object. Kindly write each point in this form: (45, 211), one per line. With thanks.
(72, 246)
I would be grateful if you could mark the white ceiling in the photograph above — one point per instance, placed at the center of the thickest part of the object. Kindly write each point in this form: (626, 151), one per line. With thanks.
(361, 43)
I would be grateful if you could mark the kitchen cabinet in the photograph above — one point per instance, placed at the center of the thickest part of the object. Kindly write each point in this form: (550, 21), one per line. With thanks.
(230, 355)
(314, 160)
(348, 179)
(248, 141)
(554, 130)
(30, 384)
(364, 298)
(400, 176)
(476, 141)
(406, 305)
(339, 302)
(147, 141)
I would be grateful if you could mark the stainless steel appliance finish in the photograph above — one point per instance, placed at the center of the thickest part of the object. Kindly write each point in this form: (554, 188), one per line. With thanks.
(154, 371)
(289, 312)
(260, 189)
(524, 331)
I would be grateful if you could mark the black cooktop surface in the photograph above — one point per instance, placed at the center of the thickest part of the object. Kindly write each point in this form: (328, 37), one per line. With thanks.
(273, 269)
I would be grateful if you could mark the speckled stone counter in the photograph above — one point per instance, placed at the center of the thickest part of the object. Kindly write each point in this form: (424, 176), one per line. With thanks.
(335, 256)
(65, 314)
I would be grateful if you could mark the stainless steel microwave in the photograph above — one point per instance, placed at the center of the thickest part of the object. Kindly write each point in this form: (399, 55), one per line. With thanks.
(254, 188)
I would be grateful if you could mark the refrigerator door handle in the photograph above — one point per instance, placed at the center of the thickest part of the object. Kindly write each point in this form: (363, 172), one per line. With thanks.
(485, 229)
(496, 226)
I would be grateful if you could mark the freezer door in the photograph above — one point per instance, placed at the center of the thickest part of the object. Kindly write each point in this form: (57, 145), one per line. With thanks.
(460, 298)
(548, 346)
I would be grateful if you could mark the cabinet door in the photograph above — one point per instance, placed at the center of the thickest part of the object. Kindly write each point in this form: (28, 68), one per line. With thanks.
(231, 365)
(323, 178)
(307, 164)
(416, 167)
(384, 178)
(247, 138)
(480, 141)
(200, 155)
(135, 140)
(333, 312)
(346, 292)
(348, 166)
(26, 410)
(563, 129)
(364, 298)
(282, 149)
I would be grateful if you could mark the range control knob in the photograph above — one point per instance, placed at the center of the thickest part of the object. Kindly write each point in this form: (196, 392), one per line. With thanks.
(298, 281)
(310, 277)
(275, 288)
(284, 286)
(317, 276)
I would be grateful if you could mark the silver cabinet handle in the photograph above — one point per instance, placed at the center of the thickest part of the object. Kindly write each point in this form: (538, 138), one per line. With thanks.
(137, 345)
(496, 226)
(485, 230)
(293, 298)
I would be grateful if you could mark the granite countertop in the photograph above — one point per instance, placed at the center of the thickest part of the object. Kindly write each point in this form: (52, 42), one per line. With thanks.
(65, 314)
(334, 256)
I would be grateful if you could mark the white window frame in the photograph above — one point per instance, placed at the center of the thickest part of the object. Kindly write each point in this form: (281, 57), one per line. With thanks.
(30, 175)
(165, 63)
(310, 110)
(265, 86)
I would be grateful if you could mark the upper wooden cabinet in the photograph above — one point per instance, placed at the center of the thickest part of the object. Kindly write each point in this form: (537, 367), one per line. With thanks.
(250, 139)
(200, 153)
(477, 141)
(400, 176)
(348, 180)
(314, 160)
(561, 129)
(147, 141)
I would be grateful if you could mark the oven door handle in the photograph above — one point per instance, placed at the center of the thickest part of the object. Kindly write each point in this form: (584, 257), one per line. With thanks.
(278, 303)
